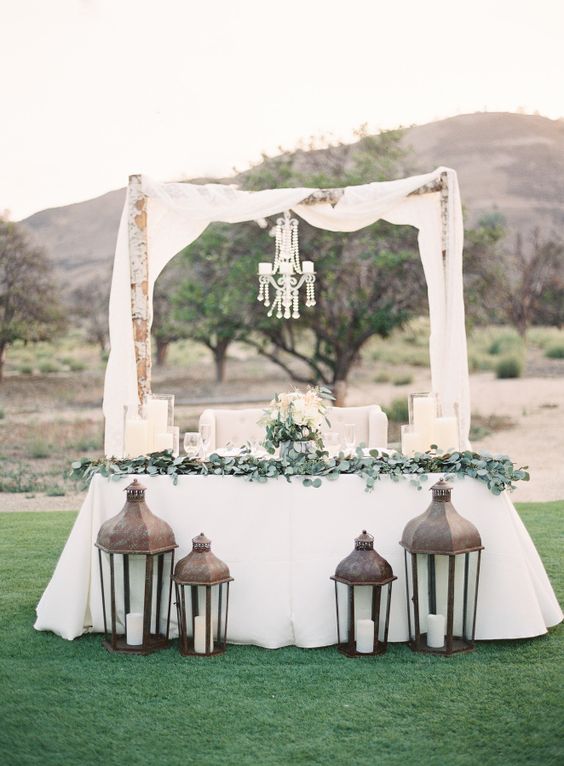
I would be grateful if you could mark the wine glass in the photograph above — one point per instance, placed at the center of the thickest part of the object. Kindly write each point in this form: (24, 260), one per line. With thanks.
(333, 442)
(205, 434)
(350, 436)
(192, 443)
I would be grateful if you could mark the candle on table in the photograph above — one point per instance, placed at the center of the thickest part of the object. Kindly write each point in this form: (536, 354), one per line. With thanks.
(307, 267)
(424, 416)
(265, 268)
(200, 635)
(134, 628)
(435, 631)
(157, 419)
(411, 442)
(446, 433)
(164, 441)
(135, 437)
(365, 636)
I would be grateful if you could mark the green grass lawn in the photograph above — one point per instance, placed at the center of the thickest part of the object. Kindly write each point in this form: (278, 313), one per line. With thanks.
(70, 703)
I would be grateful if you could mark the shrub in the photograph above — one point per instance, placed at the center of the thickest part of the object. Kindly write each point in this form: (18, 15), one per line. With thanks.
(505, 342)
(47, 367)
(39, 449)
(25, 369)
(398, 411)
(2, 414)
(75, 365)
(402, 380)
(555, 351)
(382, 377)
(55, 491)
(509, 367)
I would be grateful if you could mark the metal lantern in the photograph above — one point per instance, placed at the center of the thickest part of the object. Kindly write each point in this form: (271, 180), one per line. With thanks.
(202, 600)
(442, 570)
(363, 585)
(137, 549)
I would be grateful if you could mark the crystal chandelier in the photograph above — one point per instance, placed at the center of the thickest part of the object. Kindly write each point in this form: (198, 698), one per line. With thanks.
(287, 275)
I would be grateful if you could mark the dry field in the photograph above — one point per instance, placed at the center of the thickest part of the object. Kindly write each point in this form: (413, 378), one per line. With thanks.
(50, 405)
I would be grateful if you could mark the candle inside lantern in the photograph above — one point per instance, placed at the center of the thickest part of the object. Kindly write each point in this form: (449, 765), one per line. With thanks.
(307, 267)
(362, 604)
(365, 636)
(164, 441)
(134, 628)
(135, 437)
(285, 267)
(435, 631)
(200, 635)
(446, 433)
(265, 268)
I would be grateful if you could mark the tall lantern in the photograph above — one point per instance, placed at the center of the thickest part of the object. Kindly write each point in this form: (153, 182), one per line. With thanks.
(137, 549)
(363, 584)
(202, 600)
(442, 569)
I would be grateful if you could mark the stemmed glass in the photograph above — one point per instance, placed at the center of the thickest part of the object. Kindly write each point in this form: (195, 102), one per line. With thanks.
(205, 434)
(350, 436)
(192, 443)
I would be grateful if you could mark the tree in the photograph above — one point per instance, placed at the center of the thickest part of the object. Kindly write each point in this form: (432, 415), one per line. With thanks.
(533, 290)
(29, 305)
(89, 304)
(369, 282)
(166, 328)
(215, 299)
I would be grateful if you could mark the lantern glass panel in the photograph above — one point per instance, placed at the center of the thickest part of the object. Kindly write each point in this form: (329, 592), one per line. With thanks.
(367, 603)
(192, 603)
(124, 591)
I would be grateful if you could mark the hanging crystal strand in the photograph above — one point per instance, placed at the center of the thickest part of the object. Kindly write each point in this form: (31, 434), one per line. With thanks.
(295, 255)
(296, 311)
(260, 296)
(278, 247)
(266, 294)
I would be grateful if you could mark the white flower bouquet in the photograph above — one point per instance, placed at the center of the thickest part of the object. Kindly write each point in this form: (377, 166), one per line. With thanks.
(296, 417)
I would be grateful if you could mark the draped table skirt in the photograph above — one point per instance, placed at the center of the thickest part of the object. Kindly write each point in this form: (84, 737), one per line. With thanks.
(282, 542)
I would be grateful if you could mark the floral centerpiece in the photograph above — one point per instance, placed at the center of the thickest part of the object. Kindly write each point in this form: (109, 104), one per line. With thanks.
(293, 420)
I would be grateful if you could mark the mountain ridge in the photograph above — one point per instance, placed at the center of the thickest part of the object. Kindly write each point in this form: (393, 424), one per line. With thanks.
(512, 164)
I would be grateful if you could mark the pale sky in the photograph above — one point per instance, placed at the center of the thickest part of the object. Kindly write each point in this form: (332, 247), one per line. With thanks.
(93, 90)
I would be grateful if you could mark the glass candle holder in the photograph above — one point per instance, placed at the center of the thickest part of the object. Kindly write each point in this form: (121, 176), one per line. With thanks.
(423, 413)
(158, 411)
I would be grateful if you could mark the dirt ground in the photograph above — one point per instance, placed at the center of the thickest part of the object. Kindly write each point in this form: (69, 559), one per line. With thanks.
(530, 408)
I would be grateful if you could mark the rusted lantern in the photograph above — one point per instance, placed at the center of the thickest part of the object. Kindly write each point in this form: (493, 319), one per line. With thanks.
(136, 548)
(363, 587)
(442, 569)
(202, 599)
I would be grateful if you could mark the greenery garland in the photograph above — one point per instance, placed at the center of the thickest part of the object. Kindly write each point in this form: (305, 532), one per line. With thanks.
(497, 472)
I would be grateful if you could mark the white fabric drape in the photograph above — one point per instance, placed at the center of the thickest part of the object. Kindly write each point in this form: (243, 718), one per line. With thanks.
(178, 213)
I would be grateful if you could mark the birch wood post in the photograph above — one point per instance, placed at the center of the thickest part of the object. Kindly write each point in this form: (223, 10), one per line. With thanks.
(139, 271)
(444, 218)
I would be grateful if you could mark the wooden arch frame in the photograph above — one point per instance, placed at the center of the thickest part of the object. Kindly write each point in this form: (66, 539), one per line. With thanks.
(139, 261)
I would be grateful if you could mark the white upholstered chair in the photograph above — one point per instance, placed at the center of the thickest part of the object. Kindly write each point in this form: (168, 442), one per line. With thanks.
(371, 424)
(236, 427)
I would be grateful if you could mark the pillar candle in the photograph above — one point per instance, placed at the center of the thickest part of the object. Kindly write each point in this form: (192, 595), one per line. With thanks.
(200, 635)
(424, 416)
(365, 636)
(157, 419)
(135, 437)
(435, 631)
(446, 433)
(307, 267)
(134, 628)
(411, 441)
(285, 268)
(362, 604)
(164, 441)
(265, 268)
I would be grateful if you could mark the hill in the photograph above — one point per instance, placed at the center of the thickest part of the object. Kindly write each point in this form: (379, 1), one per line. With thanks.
(509, 163)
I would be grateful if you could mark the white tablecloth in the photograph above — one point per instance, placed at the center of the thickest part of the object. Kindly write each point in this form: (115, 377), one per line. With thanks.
(283, 541)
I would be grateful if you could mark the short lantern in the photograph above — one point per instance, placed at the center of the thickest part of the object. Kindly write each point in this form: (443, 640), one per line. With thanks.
(442, 569)
(202, 600)
(136, 548)
(363, 586)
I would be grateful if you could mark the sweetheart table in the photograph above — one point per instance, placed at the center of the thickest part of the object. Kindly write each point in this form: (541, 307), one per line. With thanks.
(282, 541)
